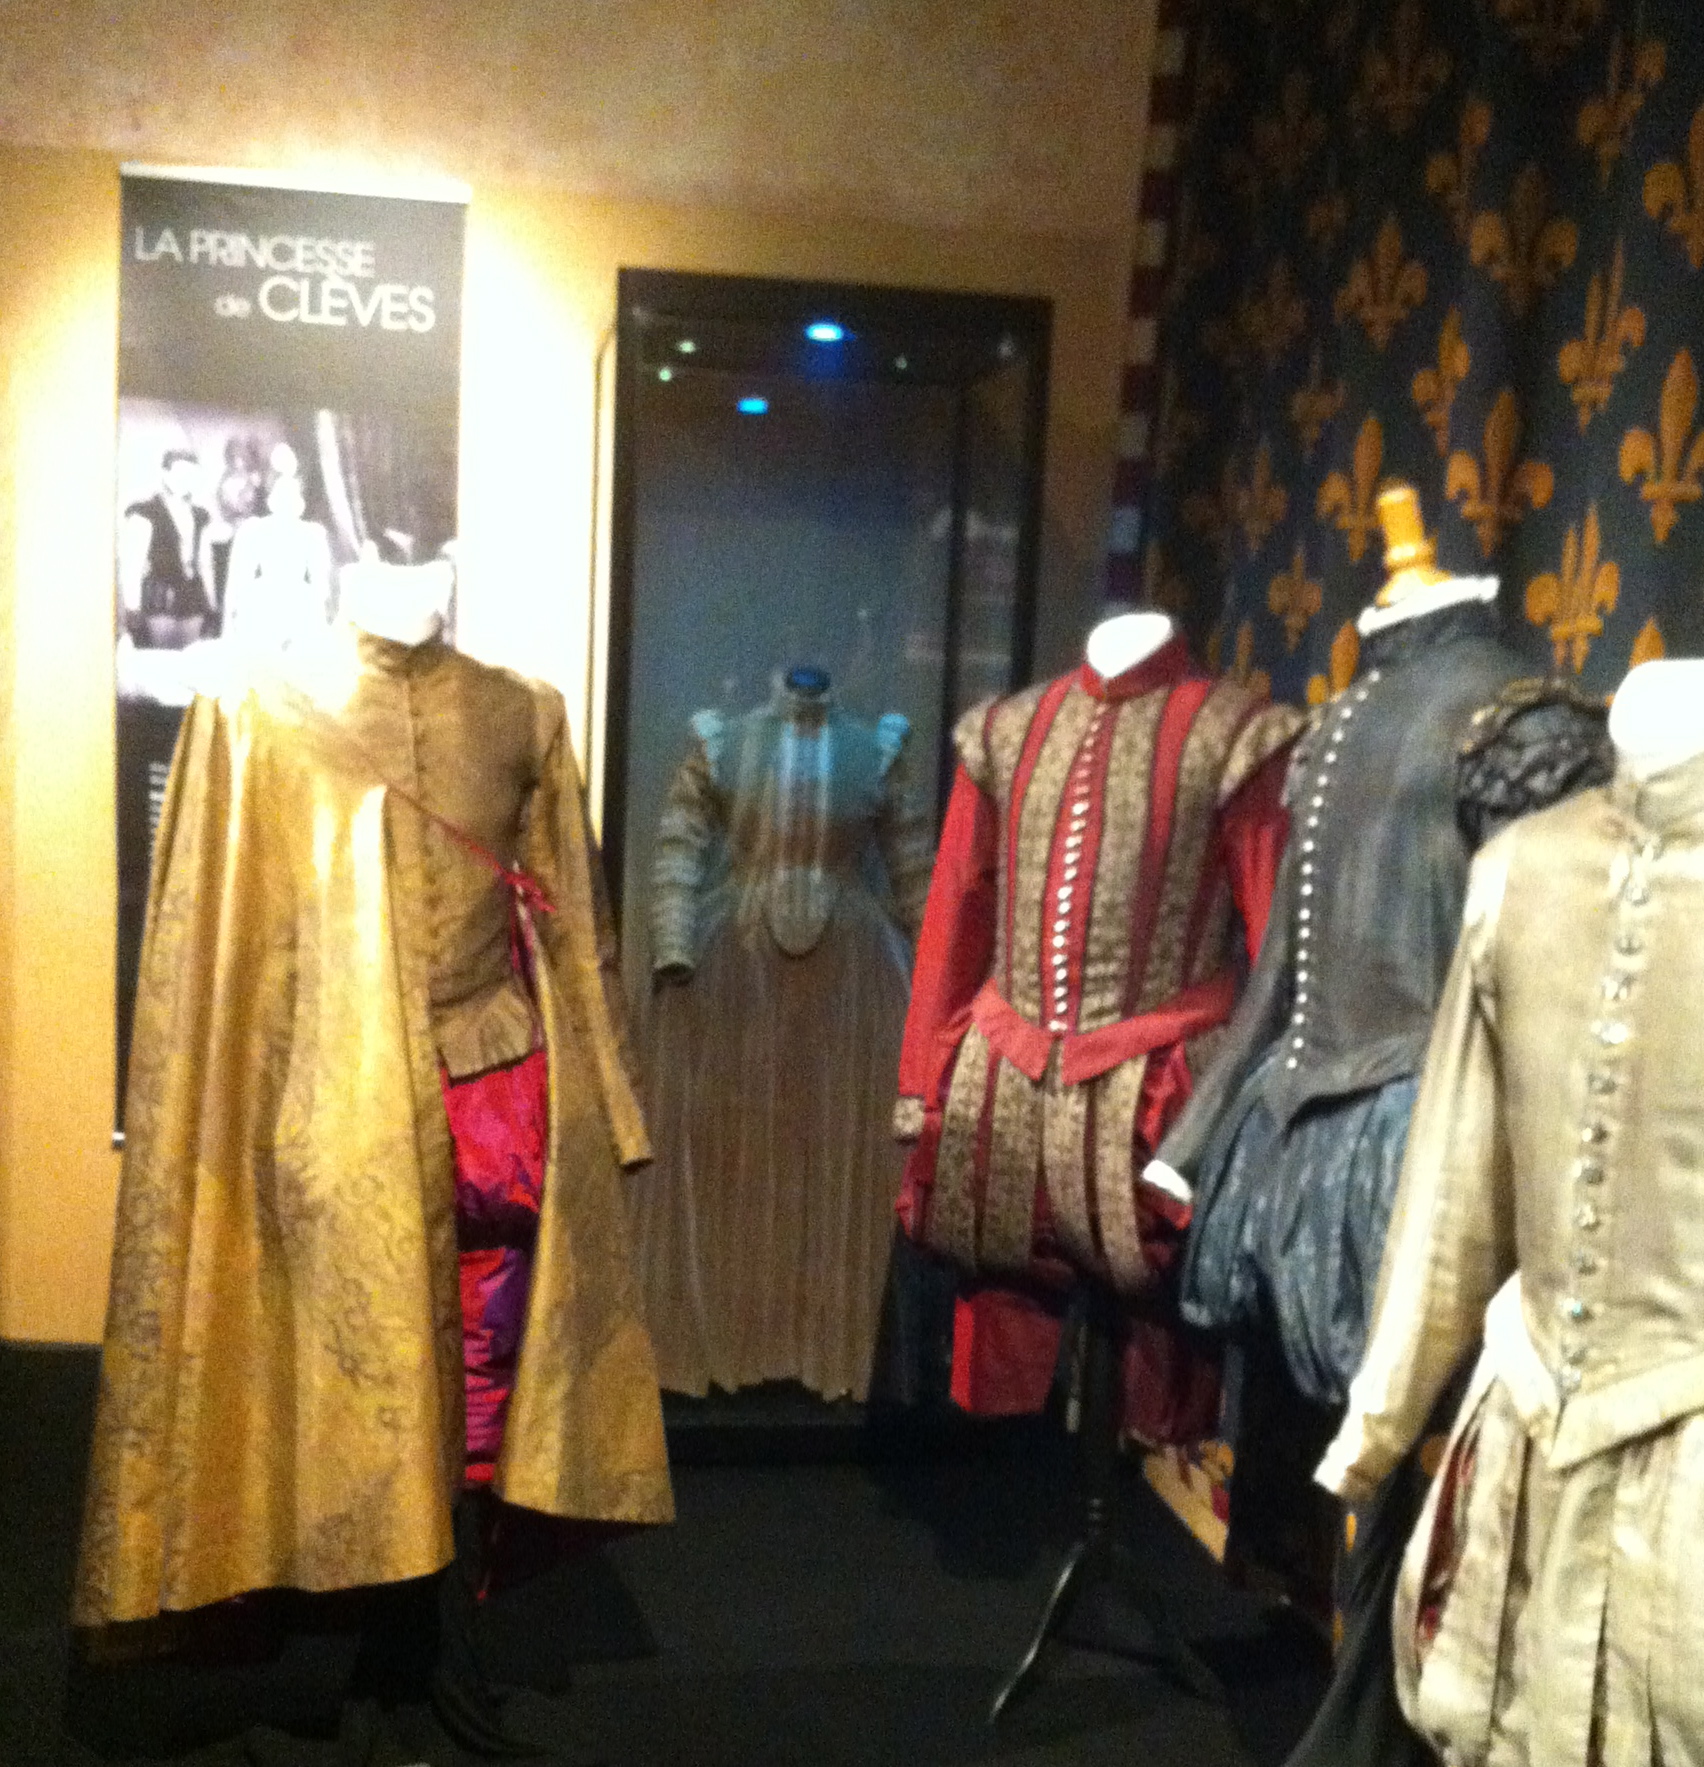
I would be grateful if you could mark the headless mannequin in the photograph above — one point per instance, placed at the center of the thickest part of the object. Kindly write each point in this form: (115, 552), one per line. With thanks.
(1125, 640)
(1656, 719)
(401, 602)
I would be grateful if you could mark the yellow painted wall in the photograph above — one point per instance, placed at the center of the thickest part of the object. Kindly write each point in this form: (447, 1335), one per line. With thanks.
(540, 292)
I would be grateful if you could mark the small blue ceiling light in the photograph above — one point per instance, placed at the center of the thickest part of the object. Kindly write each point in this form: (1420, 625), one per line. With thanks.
(687, 346)
(825, 331)
(753, 405)
(665, 374)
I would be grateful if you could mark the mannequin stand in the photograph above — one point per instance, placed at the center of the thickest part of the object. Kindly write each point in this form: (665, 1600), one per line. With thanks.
(1099, 1564)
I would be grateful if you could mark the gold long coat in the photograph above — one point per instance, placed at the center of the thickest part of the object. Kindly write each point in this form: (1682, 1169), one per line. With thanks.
(1550, 1611)
(281, 1398)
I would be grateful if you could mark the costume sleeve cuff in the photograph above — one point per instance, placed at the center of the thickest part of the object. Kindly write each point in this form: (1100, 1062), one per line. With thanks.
(907, 1119)
(1354, 1465)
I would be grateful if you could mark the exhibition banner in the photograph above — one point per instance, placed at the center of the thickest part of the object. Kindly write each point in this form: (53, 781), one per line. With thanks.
(288, 403)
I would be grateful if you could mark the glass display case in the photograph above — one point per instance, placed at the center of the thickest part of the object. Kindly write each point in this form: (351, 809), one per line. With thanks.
(841, 477)
(824, 521)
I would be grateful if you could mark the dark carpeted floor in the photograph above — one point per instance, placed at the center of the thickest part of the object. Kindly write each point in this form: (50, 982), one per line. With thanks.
(826, 1615)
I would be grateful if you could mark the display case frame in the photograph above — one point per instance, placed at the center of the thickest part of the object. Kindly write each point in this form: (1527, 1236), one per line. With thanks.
(953, 333)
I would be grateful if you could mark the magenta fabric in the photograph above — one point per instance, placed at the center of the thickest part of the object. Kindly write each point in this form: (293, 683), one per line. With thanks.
(499, 1123)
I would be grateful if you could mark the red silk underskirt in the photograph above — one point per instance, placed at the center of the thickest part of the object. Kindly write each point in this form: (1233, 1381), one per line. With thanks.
(499, 1123)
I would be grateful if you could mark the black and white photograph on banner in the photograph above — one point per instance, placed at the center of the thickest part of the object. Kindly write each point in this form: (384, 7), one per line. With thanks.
(288, 413)
(234, 528)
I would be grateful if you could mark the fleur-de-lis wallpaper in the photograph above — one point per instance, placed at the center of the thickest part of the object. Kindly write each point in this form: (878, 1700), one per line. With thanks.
(1459, 242)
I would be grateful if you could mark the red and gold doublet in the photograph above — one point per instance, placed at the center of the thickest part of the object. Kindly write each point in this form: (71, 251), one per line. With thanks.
(1102, 837)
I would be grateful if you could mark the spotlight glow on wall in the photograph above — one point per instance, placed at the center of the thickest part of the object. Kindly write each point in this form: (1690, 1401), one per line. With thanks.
(754, 405)
(825, 331)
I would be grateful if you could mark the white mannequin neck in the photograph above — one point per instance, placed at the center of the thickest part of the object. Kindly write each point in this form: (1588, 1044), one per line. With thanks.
(1448, 593)
(1656, 719)
(401, 603)
(1125, 640)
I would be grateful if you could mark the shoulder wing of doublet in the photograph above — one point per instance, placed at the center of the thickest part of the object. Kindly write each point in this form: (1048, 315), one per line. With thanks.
(892, 729)
(1264, 729)
(1537, 742)
(970, 740)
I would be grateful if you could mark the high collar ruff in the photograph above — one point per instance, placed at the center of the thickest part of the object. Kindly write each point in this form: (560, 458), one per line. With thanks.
(1664, 800)
(1391, 645)
(1168, 664)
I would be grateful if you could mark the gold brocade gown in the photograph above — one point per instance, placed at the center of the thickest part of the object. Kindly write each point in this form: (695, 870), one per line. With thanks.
(282, 1384)
(790, 870)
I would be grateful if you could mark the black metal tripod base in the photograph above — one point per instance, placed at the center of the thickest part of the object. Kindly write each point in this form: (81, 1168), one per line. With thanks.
(1099, 1562)
(1096, 1568)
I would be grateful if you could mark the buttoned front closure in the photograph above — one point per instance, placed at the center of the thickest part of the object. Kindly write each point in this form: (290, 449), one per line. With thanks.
(464, 742)
(1317, 796)
(1612, 1042)
(1068, 904)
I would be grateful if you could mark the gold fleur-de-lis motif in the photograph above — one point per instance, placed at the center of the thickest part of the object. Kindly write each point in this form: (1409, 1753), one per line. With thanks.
(1397, 84)
(1606, 120)
(1260, 504)
(1449, 176)
(1167, 589)
(1295, 597)
(1314, 404)
(1208, 514)
(1327, 217)
(1242, 668)
(1497, 493)
(1176, 428)
(1672, 461)
(1340, 667)
(1648, 647)
(1272, 317)
(1351, 502)
(1678, 192)
(1290, 136)
(1549, 30)
(1383, 288)
(1435, 388)
(1573, 600)
(1589, 363)
(1526, 248)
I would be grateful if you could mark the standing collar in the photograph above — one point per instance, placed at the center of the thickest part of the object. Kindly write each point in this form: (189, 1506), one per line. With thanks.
(392, 657)
(1427, 632)
(1168, 664)
(1663, 800)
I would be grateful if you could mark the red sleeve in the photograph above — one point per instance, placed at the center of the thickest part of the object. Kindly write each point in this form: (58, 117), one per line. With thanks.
(956, 945)
(1253, 828)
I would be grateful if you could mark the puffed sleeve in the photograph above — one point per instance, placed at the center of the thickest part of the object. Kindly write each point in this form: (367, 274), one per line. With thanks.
(1451, 1243)
(1539, 741)
(579, 937)
(686, 832)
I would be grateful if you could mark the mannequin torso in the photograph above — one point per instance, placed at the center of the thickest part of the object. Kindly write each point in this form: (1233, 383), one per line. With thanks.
(403, 603)
(1126, 640)
(1656, 720)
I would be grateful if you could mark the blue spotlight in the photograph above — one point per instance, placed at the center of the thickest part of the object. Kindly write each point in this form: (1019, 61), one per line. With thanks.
(825, 331)
(753, 405)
